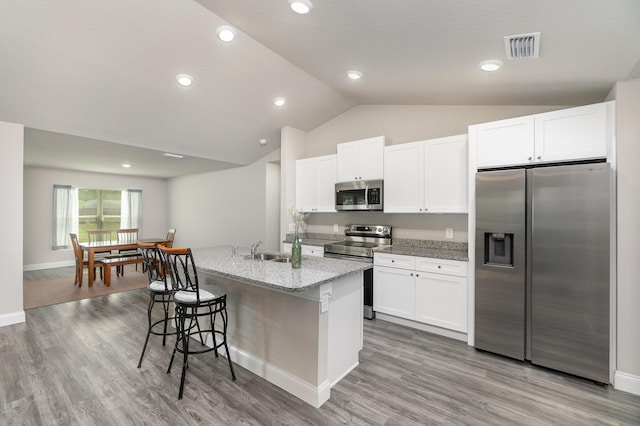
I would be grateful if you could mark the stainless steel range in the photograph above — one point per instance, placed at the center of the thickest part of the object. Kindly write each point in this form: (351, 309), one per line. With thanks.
(361, 241)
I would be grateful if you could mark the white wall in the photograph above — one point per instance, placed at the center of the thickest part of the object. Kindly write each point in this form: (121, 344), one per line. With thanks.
(38, 205)
(407, 123)
(12, 142)
(227, 207)
(401, 124)
(628, 216)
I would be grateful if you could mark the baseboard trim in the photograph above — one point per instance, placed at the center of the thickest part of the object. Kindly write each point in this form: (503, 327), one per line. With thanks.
(627, 382)
(50, 265)
(424, 327)
(12, 318)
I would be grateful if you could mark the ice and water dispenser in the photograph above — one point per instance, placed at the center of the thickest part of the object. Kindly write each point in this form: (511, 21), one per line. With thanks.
(498, 249)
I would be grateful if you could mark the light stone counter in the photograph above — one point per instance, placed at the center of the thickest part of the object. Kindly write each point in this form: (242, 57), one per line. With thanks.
(314, 272)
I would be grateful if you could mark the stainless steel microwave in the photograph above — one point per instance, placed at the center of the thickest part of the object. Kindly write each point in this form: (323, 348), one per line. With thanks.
(359, 195)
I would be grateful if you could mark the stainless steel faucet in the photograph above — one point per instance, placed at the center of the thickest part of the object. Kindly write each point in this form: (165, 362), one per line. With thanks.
(254, 248)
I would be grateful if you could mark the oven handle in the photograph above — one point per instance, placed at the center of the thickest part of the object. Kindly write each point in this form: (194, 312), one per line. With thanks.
(366, 196)
(347, 257)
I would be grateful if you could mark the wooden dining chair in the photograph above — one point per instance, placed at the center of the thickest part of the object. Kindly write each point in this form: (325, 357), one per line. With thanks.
(170, 237)
(99, 235)
(81, 264)
(127, 236)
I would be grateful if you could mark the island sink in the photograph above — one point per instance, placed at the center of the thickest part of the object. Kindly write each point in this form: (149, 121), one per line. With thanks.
(269, 256)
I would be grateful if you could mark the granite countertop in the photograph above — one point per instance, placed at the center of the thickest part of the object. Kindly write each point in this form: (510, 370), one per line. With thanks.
(279, 276)
(427, 248)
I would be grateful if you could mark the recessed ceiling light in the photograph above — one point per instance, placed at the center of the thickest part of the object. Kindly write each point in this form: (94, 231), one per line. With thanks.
(301, 6)
(226, 33)
(491, 65)
(354, 75)
(262, 142)
(184, 80)
(279, 101)
(168, 154)
(125, 165)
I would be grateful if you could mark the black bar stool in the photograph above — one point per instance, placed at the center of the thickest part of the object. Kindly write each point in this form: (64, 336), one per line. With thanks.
(192, 303)
(160, 291)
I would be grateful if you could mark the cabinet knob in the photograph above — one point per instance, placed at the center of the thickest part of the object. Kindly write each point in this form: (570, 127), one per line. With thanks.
(392, 261)
(539, 157)
(439, 266)
(420, 209)
(412, 274)
(417, 275)
(530, 158)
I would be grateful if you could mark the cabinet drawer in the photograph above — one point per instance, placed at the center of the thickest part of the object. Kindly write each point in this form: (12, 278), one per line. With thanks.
(313, 251)
(441, 266)
(394, 260)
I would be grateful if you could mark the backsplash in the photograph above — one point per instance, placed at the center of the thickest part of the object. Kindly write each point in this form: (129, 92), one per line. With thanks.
(430, 244)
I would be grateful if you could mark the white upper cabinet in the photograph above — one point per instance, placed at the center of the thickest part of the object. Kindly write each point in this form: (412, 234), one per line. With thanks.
(315, 184)
(505, 142)
(579, 133)
(426, 176)
(404, 178)
(446, 175)
(360, 160)
(575, 133)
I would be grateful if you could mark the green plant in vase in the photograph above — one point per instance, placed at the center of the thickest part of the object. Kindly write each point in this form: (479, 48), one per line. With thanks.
(298, 219)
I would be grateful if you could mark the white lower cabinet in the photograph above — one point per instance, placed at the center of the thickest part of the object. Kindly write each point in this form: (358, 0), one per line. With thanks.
(307, 250)
(393, 291)
(426, 290)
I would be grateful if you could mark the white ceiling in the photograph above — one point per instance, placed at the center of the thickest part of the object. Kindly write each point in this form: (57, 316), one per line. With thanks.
(105, 70)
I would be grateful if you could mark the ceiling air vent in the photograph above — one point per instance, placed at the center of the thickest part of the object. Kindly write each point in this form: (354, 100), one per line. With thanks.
(522, 46)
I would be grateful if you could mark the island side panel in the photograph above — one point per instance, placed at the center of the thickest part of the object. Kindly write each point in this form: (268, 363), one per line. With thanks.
(273, 332)
(345, 326)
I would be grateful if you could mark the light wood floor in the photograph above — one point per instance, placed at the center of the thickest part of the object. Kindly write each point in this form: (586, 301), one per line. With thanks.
(75, 364)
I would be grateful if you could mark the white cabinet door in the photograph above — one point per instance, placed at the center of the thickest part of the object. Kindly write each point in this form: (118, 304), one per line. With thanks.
(360, 160)
(404, 178)
(306, 177)
(348, 162)
(394, 292)
(505, 142)
(372, 158)
(570, 134)
(441, 300)
(445, 178)
(315, 184)
(326, 183)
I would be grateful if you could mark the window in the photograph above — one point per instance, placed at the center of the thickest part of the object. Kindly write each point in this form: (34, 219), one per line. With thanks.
(98, 209)
(76, 210)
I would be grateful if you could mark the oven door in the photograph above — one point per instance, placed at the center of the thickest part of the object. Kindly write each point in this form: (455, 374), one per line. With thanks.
(367, 283)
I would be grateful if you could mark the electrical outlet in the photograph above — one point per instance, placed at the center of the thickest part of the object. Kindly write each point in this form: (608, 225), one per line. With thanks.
(448, 233)
(336, 228)
(324, 303)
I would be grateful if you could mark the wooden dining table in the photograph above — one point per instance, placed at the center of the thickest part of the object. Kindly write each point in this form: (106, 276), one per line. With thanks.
(107, 246)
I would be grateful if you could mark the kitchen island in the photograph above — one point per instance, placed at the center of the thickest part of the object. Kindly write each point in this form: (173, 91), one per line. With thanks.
(300, 329)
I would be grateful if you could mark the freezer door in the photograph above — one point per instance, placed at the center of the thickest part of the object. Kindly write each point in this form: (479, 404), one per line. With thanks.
(500, 262)
(570, 269)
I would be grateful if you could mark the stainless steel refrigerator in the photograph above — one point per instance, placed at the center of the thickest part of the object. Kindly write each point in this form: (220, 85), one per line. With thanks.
(542, 266)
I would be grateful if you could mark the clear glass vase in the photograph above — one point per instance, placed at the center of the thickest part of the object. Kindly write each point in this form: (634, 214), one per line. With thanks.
(296, 252)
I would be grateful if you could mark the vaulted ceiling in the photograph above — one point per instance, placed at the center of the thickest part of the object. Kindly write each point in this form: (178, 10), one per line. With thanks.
(104, 71)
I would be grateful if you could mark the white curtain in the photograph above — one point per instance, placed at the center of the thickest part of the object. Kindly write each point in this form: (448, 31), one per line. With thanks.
(131, 210)
(65, 215)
